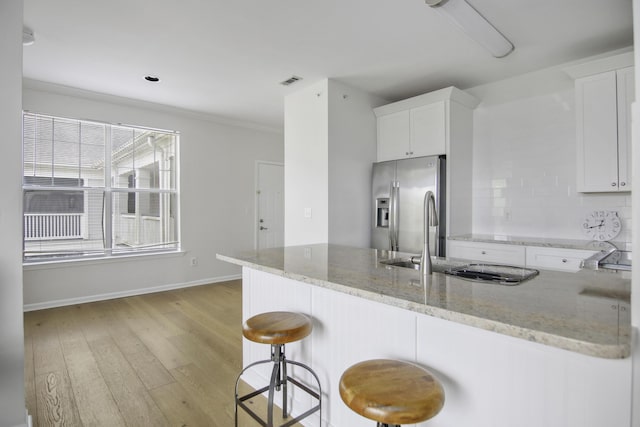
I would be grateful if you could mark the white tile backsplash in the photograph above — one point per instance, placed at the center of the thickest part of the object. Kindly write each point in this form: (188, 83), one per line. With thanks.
(524, 170)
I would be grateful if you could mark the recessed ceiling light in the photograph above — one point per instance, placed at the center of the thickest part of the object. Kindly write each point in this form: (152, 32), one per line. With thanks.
(152, 78)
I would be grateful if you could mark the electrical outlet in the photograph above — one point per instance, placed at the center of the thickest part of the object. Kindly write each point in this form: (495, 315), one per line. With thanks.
(193, 261)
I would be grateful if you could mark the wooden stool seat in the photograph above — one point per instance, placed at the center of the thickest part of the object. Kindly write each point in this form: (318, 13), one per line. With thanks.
(277, 327)
(391, 392)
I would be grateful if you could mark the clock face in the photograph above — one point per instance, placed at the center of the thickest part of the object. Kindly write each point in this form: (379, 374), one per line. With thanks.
(601, 225)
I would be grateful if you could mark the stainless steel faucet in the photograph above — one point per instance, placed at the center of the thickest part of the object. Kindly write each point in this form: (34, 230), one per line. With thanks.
(430, 220)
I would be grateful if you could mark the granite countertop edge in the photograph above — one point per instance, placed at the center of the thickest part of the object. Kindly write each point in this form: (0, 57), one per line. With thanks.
(606, 351)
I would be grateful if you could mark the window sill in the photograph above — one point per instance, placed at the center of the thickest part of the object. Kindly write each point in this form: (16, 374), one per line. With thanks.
(66, 263)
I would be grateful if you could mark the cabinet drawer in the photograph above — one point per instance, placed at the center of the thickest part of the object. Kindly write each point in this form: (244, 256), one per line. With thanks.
(495, 253)
(556, 258)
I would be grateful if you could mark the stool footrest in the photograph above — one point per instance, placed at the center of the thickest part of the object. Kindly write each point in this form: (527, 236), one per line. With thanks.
(279, 377)
(301, 416)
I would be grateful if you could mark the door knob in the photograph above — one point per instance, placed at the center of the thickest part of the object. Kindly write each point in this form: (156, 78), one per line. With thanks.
(263, 228)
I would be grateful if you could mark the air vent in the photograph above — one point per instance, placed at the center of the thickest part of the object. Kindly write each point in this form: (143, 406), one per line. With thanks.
(291, 80)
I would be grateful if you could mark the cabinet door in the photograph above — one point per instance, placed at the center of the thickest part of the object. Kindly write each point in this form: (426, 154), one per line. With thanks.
(597, 133)
(626, 95)
(394, 136)
(428, 130)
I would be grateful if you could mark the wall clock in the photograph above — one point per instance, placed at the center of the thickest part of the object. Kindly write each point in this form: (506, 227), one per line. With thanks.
(601, 225)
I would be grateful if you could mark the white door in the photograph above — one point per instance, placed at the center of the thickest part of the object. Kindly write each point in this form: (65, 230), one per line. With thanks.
(270, 205)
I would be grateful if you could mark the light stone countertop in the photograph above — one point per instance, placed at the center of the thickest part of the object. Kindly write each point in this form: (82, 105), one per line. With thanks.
(586, 312)
(540, 241)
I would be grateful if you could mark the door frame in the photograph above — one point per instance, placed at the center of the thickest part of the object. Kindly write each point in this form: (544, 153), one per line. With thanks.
(256, 202)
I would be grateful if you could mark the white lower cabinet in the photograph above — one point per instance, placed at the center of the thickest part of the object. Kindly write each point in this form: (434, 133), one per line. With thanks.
(490, 379)
(556, 258)
(530, 256)
(494, 253)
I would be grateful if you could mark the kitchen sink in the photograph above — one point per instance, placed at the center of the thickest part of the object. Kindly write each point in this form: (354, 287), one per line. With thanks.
(401, 262)
(498, 274)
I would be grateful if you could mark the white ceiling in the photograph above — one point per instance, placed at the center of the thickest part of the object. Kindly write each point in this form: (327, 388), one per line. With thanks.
(226, 57)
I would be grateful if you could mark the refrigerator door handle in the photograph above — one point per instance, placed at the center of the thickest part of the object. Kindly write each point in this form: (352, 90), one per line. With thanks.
(393, 221)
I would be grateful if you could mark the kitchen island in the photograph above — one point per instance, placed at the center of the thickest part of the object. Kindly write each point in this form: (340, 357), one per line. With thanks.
(551, 351)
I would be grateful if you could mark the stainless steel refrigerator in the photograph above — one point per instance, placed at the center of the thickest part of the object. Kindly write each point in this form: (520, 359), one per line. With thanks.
(398, 189)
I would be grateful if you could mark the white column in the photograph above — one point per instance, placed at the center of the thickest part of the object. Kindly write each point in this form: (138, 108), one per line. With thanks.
(12, 403)
(635, 201)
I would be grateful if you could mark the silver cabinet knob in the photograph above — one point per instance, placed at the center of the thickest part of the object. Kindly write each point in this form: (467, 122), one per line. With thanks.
(483, 252)
(622, 184)
(263, 228)
(564, 260)
(613, 184)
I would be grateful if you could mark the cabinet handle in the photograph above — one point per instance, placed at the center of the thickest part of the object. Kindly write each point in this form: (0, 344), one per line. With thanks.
(410, 152)
(614, 307)
(622, 184)
(564, 260)
(406, 153)
(483, 252)
(613, 184)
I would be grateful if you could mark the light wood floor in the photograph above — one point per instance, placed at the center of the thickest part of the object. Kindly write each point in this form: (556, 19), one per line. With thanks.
(164, 359)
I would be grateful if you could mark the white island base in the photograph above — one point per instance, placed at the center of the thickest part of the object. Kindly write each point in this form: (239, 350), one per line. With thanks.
(490, 379)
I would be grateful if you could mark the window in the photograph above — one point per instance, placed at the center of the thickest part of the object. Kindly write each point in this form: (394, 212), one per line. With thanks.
(93, 190)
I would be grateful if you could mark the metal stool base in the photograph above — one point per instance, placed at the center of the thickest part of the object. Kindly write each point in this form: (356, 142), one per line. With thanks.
(279, 380)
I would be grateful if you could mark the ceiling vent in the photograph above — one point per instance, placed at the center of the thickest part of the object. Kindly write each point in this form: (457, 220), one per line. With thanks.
(291, 80)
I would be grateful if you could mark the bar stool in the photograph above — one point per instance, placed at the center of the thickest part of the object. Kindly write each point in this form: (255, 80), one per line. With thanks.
(391, 392)
(277, 328)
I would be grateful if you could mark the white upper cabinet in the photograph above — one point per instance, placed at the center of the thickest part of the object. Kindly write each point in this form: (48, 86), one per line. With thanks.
(428, 130)
(422, 125)
(626, 95)
(415, 132)
(603, 119)
(394, 136)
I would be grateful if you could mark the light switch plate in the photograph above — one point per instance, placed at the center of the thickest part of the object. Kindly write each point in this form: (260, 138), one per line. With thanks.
(307, 212)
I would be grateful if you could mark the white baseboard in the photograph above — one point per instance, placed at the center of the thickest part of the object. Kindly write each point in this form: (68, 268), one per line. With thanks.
(129, 293)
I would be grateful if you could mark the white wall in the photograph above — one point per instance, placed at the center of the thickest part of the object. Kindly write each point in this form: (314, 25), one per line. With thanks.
(306, 159)
(524, 165)
(352, 151)
(217, 198)
(12, 404)
(330, 144)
